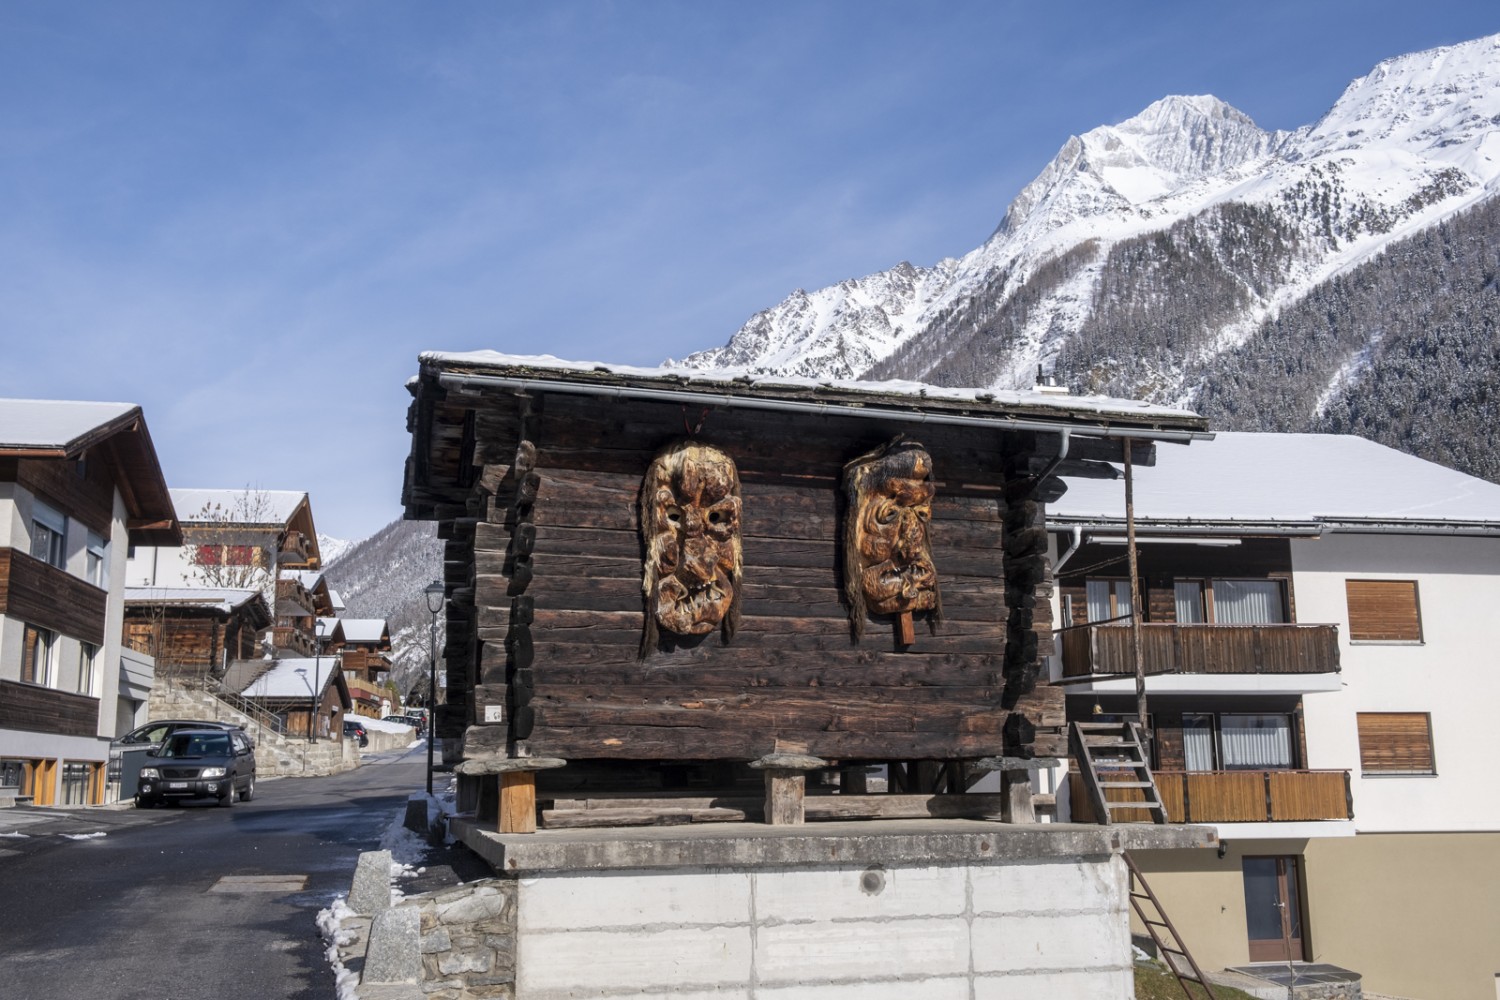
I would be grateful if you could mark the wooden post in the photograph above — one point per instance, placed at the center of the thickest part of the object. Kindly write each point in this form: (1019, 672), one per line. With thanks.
(786, 785)
(1018, 807)
(518, 802)
(854, 780)
(906, 633)
(1137, 652)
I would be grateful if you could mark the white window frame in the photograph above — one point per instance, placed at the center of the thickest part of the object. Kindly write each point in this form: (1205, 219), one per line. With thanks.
(97, 565)
(49, 532)
(88, 669)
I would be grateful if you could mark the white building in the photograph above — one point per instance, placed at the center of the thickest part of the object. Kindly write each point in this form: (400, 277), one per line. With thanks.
(79, 484)
(1316, 626)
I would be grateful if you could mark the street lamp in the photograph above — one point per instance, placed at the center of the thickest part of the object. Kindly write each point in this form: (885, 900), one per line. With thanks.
(312, 716)
(434, 594)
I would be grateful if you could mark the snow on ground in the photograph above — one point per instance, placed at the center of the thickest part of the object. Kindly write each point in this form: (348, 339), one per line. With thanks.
(383, 726)
(17, 835)
(84, 836)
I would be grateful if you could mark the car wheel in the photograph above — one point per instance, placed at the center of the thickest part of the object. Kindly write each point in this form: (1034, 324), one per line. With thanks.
(141, 803)
(249, 792)
(227, 799)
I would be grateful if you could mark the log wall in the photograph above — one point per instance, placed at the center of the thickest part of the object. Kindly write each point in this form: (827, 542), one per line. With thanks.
(546, 610)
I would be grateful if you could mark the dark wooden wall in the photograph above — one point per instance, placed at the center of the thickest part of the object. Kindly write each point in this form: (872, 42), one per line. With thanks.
(37, 709)
(549, 629)
(88, 497)
(51, 598)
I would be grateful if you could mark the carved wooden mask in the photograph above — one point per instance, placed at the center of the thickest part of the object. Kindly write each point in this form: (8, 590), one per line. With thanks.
(690, 520)
(888, 566)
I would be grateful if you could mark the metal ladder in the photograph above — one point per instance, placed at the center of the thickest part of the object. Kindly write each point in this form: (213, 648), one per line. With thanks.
(1115, 748)
(1169, 943)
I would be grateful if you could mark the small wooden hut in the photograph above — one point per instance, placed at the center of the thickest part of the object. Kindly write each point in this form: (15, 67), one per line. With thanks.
(884, 598)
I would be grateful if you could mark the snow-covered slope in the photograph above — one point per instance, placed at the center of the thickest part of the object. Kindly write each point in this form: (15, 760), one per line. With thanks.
(1264, 217)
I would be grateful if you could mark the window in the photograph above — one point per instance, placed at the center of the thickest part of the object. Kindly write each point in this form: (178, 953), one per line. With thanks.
(1248, 602)
(1395, 743)
(49, 532)
(1383, 611)
(225, 555)
(97, 568)
(1108, 599)
(1189, 599)
(13, 774)
(88, 669)
(1237, 741)
(36, 655)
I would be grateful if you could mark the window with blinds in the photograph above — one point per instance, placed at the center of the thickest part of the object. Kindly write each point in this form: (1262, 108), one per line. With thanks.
(1395, 743)
(1383, 611)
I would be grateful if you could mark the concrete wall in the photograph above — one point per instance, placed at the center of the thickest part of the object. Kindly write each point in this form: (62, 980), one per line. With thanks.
(1453, 674)
(1417, 914)
(1000, 931)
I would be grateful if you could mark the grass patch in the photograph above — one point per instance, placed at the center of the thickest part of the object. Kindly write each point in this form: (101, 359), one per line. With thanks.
(1154, 982)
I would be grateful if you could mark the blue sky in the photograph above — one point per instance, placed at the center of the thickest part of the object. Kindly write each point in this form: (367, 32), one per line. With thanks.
(251, 217)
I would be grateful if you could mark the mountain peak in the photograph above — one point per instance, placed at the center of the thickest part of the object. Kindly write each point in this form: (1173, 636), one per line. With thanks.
(1171, 143)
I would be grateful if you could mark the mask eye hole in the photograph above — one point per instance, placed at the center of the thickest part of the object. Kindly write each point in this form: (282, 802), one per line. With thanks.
(716, 517)
(674, 515)
(885, 513)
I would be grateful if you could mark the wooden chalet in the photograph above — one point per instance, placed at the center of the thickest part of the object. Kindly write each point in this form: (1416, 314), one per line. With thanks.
(363, 646)
(295, 690)
(664, 580)
(194, 633)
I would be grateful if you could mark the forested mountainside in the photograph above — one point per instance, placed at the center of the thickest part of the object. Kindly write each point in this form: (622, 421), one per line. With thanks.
(382, 577)
(1338, 277)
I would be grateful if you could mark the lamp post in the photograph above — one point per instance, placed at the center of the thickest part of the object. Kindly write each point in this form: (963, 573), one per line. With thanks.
(434, 594)
(312, 715)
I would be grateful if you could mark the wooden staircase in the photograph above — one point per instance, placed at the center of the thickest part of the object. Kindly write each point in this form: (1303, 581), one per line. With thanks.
(1111, 760)
(1168, 943)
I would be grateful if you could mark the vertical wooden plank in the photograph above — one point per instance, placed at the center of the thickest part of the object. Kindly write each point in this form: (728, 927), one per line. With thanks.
(518, 802)
(784, 797)
(1018, 807)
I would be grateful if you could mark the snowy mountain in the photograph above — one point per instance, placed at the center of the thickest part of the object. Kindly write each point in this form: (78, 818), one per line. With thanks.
(333, 549)
(1149, 254)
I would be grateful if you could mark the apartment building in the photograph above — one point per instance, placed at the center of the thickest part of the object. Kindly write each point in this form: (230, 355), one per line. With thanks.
(1315, 634)
(79, 484)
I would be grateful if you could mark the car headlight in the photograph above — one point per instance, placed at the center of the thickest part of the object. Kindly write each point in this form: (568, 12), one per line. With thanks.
(149, 772)
(213, 772)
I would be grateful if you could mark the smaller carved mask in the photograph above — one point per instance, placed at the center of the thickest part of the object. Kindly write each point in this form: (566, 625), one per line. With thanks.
(888, 566)
(690, 520)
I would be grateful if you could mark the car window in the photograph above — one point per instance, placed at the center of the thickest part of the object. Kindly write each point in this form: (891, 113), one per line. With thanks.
(199, 745)
(152, 734)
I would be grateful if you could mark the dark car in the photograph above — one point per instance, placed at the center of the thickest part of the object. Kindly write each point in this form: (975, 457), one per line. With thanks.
(415, 721)
(197, 764)
(356, 729)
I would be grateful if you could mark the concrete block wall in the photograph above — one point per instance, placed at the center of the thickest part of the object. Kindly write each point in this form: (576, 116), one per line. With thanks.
(998, 930)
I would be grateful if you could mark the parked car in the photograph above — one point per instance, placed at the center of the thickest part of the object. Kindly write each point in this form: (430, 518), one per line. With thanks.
(415, 721)
(153, 733)
(355, 729)
(196, 764)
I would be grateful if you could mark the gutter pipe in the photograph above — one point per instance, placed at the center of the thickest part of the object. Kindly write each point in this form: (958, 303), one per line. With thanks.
(1073, 547)
(821, 408)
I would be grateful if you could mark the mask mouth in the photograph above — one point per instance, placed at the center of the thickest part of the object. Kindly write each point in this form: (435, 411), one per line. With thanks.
(891, 587)
(693, 608)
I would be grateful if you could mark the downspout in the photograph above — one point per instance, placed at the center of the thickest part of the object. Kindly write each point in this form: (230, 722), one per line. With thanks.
(1074, 543)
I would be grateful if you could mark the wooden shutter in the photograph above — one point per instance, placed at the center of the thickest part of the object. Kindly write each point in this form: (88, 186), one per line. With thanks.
(1383, 611)
(1396, 741)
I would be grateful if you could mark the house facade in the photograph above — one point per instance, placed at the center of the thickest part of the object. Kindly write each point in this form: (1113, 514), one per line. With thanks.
(79, 485)
(1314, 637)
(363, 646)
(245, 539)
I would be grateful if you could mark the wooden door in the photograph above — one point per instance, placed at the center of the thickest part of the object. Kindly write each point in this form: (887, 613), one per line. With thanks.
(1273, 908)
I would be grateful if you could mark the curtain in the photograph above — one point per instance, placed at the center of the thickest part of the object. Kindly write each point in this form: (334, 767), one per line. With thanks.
(1247, 602)
(1198, 742)
(1256, 740)
(1098, 599)
(1189, 602)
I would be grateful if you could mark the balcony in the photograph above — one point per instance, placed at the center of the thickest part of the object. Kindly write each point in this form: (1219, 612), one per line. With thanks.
(1234, 797)
(294, 640)
(1094, 650)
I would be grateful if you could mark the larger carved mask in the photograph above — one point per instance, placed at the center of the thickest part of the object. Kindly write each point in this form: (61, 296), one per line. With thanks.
(690, 519)
(888, 566)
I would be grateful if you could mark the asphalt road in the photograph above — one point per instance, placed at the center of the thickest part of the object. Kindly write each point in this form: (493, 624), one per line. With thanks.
(144, 911)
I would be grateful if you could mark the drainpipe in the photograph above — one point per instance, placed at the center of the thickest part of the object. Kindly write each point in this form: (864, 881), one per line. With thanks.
(1075, 542)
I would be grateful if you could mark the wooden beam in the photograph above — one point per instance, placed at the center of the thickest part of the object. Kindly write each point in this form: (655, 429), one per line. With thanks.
(518, 802)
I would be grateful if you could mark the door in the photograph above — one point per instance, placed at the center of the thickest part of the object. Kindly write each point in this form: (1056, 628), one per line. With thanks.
(1273, 908)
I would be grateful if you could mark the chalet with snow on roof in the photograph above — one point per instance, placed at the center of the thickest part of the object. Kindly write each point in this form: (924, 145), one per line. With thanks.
(79, 484)
(363, 646)
(194, 633)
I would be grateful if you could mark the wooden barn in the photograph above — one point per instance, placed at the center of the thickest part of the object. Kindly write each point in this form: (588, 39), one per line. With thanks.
(660, 581)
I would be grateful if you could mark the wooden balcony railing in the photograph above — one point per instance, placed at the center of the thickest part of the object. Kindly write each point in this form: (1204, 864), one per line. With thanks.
(1234, 797)
(294, 639)
(1202, 649)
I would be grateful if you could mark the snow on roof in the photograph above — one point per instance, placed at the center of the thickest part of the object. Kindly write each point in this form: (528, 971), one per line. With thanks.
(53, 423)
(293, 677)
(364, 629)
(1261, 478)
(335, 599)
(224, 599)
(241, 506)
(538, 366)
